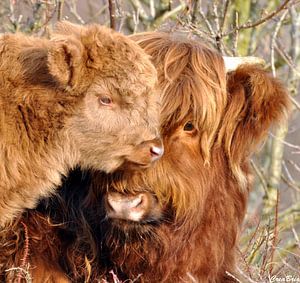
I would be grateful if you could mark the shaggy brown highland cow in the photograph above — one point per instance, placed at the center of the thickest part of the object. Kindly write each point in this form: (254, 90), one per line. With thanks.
(179, 220)
(86, 98)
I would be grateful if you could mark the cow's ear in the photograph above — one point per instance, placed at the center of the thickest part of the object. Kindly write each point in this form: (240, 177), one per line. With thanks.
(256, 101)
(65, 60)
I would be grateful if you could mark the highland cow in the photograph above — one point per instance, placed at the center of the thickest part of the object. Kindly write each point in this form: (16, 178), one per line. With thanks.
(86, 97)
(179, 220)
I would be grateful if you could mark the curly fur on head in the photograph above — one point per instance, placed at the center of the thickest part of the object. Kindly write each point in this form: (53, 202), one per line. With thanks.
(86, 98)
(211, 123)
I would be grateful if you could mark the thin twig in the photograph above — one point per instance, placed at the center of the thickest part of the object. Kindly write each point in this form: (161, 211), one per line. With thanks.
(265, 254)
(260, 175)
(112, 13)
(206, 21)
(284, 142)
(294, 165)
(194, 10)
(168, 14)
(287, 59)
(141, 11)
(136, 20)
(287, 171)
(260, 21)
(216, 15)
(253, 236)
(60, 7)
(245, 276)
(226, 5)
(152, 9)
(296, 237)
(218, 27)
(98, 13)
(235, 36)
(273, 40)
(27, 275)
(290, 267)
(275, 233)
(232, 276)
(290, 184)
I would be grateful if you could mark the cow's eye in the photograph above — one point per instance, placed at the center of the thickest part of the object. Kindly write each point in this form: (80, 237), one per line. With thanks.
(105, 100)
(188, 127)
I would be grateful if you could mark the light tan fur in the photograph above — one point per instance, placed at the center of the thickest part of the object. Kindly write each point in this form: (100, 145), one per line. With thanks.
(52, 118)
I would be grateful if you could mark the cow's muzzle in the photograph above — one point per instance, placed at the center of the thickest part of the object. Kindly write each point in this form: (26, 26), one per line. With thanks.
(142, 207)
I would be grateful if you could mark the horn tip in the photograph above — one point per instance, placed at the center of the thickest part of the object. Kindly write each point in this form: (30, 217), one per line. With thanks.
(232, 63)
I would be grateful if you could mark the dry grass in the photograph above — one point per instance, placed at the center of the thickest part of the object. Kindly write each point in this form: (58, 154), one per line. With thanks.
(270, 248)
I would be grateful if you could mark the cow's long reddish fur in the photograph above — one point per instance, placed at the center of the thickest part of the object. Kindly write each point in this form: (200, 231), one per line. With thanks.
(202, 182)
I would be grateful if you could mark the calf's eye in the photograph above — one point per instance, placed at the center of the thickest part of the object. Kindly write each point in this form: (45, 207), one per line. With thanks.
(188, 127)
(105, 100)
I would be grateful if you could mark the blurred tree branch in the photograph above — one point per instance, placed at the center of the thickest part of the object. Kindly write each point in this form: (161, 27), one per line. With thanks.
(112, 13)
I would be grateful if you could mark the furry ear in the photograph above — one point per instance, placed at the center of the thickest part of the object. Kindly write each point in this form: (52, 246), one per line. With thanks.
(65, 60)
(256, 101)
(89, 36)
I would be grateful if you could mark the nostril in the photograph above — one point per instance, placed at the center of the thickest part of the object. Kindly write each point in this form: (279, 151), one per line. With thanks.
(156, 151)
(119, 203)
(127, 207)
(136, 202)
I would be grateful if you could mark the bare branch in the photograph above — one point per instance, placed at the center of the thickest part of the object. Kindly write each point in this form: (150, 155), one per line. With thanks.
(195, 5)
(112, 13)
(232, 277)
(290, 183)
(295, 102)
(260, 21)
(296, 237)
(152, 9)
(141, 11)
(273, 40)
(206, 21)
(260, 176)
(226, 5)
(235, 35)
(296, 166)
(245, 276)
(275, 233)
(168, 14)
(286, 58)
(216, 15)
(285, 142)
(287, 172)
(60, 7)
(73, 11)
(136, 20)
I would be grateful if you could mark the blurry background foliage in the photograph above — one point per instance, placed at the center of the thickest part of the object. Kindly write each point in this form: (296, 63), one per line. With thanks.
(270, 244)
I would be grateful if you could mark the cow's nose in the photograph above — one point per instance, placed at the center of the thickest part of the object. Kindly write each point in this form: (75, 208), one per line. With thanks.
(144, 154)
(127, 207)
(156, 149)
